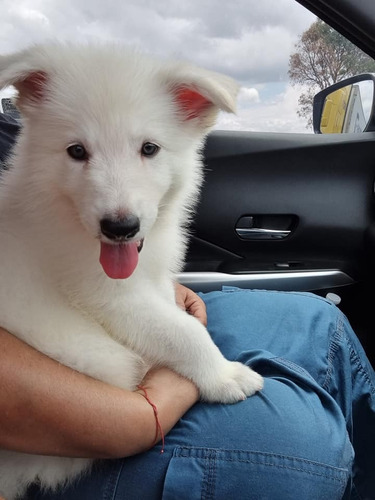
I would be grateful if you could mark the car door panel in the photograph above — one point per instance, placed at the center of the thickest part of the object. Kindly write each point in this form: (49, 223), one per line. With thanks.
(318, 187)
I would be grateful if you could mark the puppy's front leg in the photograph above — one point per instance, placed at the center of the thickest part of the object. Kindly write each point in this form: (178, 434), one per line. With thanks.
(163, 334)
(76, 340)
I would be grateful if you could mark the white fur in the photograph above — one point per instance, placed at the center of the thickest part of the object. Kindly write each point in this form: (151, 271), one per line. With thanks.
(54, 293)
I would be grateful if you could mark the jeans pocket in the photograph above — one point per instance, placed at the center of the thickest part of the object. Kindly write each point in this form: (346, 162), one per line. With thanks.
(217, 474)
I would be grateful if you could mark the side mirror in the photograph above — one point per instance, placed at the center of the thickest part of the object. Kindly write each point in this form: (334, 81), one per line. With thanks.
(346, 107)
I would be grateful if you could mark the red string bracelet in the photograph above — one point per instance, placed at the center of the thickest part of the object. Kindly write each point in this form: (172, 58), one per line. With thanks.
(159, 429)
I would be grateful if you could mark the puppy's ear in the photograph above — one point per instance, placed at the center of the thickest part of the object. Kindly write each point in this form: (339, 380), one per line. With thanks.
(200, 94)
(29, 80)
(32, 87)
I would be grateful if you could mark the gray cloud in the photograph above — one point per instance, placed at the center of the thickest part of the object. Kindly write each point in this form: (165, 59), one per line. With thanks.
(250, 40)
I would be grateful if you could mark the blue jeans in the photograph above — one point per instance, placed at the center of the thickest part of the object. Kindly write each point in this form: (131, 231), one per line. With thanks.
(295, 439)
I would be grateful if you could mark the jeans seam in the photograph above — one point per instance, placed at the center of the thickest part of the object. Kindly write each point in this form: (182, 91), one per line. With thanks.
(338, 337)
(332, 351)
(278, 292)
(293, 366)
(112, 483)
(207, 492)
(209, 480)
(214, 456)
(360, 368)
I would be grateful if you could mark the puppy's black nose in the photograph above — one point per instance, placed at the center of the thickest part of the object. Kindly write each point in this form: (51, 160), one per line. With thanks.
(120, 229)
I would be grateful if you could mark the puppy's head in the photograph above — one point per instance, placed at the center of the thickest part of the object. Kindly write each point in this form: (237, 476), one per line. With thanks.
(116, 135)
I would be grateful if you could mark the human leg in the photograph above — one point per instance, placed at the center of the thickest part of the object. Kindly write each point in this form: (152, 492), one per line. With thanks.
(288, 441)
(314, 334)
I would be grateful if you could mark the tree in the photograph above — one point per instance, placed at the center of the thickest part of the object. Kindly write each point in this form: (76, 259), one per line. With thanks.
(324, 57)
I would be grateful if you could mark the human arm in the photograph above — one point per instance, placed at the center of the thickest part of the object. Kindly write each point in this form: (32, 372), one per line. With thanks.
(50, 409)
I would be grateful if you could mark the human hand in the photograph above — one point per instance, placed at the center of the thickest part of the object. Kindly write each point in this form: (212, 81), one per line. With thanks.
(190, 302)
(169, 395)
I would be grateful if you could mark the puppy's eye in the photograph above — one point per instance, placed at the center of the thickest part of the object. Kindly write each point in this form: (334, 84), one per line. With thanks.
(77, 152)
(149, 149)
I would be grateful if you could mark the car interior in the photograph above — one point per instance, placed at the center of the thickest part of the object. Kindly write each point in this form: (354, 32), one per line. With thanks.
(290, 211)
(294, 212)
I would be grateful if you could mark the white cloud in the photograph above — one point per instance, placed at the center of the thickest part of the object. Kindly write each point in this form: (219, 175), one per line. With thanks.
(278, 114)
(248, 95)
(247, 39)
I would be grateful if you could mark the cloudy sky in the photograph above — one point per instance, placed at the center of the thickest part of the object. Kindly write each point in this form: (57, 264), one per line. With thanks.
(250, 40)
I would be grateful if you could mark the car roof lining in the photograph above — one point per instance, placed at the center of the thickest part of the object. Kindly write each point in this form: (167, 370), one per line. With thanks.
(354, 20)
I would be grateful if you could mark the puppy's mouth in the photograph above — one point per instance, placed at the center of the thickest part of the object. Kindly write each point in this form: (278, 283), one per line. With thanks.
(120, 259)
(140, 245)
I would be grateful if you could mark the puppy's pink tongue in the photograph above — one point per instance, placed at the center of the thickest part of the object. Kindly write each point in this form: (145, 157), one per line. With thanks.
(119, 261)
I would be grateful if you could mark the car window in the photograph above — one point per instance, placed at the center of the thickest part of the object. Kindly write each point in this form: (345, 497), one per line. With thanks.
(263, 45)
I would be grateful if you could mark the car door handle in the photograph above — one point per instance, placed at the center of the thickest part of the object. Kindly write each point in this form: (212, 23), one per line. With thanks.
(260, 233)
(265, 226)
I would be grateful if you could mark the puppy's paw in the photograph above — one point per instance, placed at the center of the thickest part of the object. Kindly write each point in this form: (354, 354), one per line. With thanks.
(236, 383)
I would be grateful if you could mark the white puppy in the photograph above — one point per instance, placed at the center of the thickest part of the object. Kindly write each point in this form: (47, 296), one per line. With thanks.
(93, 213)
